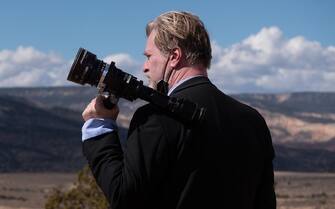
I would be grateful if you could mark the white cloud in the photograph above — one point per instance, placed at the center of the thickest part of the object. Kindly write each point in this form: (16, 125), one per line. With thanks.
(269, 62)
(27, 66)
(264, 62)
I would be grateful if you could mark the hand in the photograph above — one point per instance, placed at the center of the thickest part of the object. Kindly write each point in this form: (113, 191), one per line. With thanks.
(96, 109)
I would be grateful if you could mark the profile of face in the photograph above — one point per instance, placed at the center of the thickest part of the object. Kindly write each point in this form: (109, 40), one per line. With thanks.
(154, 66)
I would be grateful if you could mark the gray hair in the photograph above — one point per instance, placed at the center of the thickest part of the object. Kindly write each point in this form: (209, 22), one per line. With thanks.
(183, 30)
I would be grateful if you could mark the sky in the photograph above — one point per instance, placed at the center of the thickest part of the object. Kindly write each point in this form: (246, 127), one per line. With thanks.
(258, 46)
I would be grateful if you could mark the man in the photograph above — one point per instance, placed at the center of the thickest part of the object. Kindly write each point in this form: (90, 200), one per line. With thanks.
(223, 162)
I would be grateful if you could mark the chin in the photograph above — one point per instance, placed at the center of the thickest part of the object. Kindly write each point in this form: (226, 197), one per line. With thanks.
(152, 84)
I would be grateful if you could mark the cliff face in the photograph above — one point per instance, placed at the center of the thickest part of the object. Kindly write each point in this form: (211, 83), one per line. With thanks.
(302, 126)
(40, 127)
(297, 118)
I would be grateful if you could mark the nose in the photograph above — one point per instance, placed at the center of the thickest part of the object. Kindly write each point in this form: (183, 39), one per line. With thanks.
(145, 67)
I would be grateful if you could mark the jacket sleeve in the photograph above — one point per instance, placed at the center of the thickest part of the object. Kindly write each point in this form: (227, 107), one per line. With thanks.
(129, 179)
(266, 197)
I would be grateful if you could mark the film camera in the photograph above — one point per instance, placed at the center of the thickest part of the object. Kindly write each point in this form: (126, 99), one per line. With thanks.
(113, 84)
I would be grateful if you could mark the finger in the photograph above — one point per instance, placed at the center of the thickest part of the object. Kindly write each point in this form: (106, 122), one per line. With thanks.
(87, 113)
(89, 110)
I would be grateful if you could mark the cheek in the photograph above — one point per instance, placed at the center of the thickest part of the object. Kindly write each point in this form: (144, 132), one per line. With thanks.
(153, 66)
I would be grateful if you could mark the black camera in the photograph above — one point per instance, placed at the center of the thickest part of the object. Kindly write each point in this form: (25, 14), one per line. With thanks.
(113, 84)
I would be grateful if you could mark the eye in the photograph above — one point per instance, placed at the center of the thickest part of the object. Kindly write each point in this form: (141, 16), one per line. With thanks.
(147, 55)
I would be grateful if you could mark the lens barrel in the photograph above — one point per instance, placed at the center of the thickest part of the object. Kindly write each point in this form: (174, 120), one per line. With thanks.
(86, 68)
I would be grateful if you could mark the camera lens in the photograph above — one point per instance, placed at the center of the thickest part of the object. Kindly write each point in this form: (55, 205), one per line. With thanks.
(86, 68)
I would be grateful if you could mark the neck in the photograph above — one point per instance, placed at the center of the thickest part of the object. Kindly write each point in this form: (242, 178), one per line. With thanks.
(186, 72)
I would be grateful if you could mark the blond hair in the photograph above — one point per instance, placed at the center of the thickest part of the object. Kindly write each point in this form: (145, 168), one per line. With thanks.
(183, 30)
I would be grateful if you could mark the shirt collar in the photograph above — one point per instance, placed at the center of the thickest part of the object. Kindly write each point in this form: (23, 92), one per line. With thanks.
(180, 82)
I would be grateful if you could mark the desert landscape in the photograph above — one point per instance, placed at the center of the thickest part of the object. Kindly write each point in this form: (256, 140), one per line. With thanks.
(294, 190)
(41, 147)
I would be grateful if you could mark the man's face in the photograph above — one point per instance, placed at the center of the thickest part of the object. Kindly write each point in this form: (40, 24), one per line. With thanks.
(156, 62)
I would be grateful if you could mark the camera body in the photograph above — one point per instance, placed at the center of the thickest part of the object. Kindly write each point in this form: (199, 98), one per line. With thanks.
(113, 83)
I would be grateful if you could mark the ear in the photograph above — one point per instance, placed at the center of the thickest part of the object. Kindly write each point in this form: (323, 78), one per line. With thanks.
(175, 57)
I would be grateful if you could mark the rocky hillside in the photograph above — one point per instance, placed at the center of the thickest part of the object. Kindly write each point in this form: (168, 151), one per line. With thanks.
(297, 118)
(40, 128)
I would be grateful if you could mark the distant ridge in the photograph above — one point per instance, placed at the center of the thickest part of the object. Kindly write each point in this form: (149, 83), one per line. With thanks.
(40, 127)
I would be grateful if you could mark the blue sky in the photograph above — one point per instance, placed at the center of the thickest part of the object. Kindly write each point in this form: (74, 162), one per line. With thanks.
(35, 30)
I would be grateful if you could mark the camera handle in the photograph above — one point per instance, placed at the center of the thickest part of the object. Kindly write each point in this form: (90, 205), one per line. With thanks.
(108, 104)
(110, 100)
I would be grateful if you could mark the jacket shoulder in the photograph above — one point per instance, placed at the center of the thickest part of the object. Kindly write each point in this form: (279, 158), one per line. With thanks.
(149, 116)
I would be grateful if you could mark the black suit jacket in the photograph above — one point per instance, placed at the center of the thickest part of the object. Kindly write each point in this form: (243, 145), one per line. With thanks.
(224, 162)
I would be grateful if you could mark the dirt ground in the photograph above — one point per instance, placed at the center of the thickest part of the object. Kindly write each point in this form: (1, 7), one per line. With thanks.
(305, 190)
(294, 190)
(28, 190)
